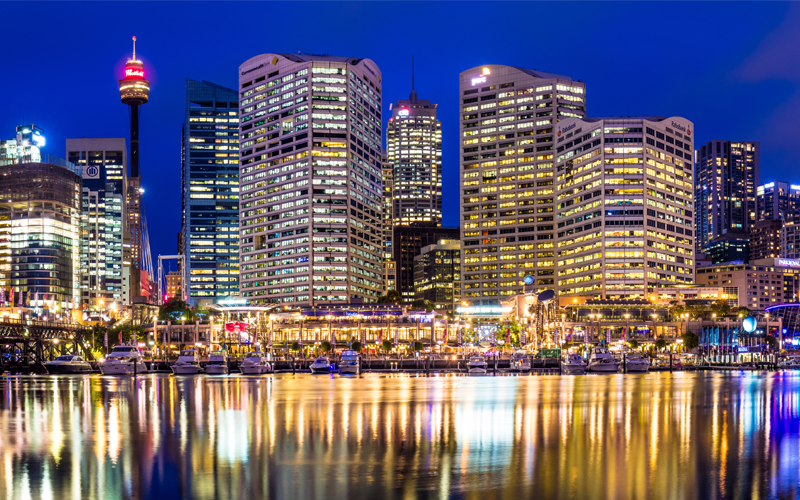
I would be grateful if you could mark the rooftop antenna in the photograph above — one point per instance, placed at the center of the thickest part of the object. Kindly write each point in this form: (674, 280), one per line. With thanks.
(134, 47)
(413, 96)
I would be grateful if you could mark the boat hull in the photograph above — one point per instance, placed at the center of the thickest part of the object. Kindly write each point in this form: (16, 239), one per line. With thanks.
(574, 369)
(186, 370)
(603, 368)
(348, 369)
(67, 369)
(637, 367)
(320, 370)
(253, 369)
(122, 368)
(217, 369)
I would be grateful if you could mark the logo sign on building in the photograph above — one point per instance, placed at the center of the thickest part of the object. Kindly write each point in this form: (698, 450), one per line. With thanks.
(788, 263)
(482, 78)
(91, 172)
(528, 280)
(403, 113)
(236, 327)
(134, 73)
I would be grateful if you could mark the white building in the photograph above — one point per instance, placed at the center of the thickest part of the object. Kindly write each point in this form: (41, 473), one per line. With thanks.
(508, 119)
(310, 211)
(624, 206)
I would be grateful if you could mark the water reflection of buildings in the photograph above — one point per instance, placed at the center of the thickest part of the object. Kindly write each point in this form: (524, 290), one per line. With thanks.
(285, 437)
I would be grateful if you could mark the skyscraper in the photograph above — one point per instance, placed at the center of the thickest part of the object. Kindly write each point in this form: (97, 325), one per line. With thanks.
(508, 120)
(104, 272)
(310, 211)
(414, 153)
(727, 174)
(776, 200)
(210, 195)
(389, 265)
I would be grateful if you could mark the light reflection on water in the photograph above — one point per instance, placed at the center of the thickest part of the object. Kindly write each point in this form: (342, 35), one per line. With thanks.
(682, 435)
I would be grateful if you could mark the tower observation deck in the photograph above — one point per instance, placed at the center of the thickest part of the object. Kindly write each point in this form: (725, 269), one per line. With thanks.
(134, 91)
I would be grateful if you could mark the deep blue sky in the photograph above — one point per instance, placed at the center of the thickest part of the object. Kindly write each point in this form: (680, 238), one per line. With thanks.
(731, 68)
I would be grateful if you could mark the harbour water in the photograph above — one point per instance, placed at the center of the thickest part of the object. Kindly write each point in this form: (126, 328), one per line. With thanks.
(658, 435)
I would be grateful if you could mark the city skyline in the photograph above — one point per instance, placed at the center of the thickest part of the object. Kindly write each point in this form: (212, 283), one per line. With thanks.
(731, 77)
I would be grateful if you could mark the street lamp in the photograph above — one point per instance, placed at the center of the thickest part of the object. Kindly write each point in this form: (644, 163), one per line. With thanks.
(627, 318)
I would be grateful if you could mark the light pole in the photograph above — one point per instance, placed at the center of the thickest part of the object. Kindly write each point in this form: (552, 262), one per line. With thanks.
(589, 330)
(653, 333)
(627, 325)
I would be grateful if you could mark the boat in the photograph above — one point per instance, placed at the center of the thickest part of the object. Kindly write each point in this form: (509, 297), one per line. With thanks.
(255, 363)
(476, 365)
(321, 366)
(790, 363)
(601, 361)
(573, 364)
(520, 362)
(349, 363)
(635, 362)
(188, 363)
(217, 363)
(123, 360)
(67, 364)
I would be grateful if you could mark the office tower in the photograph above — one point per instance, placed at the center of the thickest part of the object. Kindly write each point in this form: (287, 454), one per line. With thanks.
(408, 243)
(310, 212)
(26, 146)
(765, 239)
(624, 207)
(174, 285)
(210, 195)
(389, 265)
(729, 247)
(414, 152)
(40, 213)
(776, 200)
(103, 269)
(790, 237)
(134, 91)
(727, 174)
(508, 119)
(437, 274)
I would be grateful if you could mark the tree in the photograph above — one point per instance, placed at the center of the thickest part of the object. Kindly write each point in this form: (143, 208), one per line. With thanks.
(771, 341)
(661, 344)
(295, 346)
(325, 346)
(677, 311)
(356, 346)
(696, 311)
(391, 297)
(743, 311)
(418, 346)
(634, 344)
(423, 304)
(387, 345)
(720, 307)
(690, 340)
(175, 309)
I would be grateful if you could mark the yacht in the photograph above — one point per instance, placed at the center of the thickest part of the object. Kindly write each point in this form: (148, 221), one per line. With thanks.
(188, 363)
(255, 363)
(635, 362)
(67, 364)
(321, 366)
(122, 360)
(217, 363)
(520, 362)
(476, 365)
(573, 364)
(601, 361)
(349, 363)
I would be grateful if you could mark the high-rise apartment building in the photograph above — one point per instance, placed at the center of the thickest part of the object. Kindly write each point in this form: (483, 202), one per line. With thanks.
(414, 152)
(508, 121)
(104, 271)
(790, 237)
(624, 207)
(727, 175)
(765, 239)
(776, 200)
(210, 194)
(389, 265)
(311, 200)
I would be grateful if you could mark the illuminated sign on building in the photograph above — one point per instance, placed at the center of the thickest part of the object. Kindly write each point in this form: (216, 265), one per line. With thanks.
(482, 78)
(403, 112)
(483, 310)
(134, 73)
(789, 263)
(769, 186)
(38, 139)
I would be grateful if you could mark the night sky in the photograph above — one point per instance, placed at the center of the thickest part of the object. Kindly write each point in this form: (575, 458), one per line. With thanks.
(731, 68)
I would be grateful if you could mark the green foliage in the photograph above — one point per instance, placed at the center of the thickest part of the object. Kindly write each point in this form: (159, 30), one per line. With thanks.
(771, 341)
(690, 340)
(356, 346)
(696, 311)
(325, 346)
(677, 311)
(634, 344)
(175, 309)
(720, 307)
(295, 346)
(422, 304)
(391, 297)
(471, 337)
(418, 346)
(745, 312)
(661, 344)
(387, 345)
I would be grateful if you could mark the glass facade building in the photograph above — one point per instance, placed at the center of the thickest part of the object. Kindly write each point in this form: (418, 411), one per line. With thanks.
(437, 274)
(210, 195)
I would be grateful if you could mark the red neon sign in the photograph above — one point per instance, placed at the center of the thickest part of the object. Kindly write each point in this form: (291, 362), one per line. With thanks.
(132, 72)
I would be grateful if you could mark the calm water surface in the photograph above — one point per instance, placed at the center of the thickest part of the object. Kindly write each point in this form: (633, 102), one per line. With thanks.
(659, 435)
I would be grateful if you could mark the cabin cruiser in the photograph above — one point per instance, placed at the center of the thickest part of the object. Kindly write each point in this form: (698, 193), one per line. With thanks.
(188, 363)
(122, 360)
(349, 363)
(520, 362)
(67, 364)
(217, 363)
(255, 363)
(320, 366)
(573, 364)
(601, 361)
(476, 365)
(635, 362)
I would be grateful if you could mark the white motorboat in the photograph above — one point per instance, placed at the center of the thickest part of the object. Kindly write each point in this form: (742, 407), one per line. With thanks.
(122, 360)
(188, 363)
(520, 362)
(573, 364)
(67, 364)
(349, 363)
(476, 365)
(601, 361)
(320, 366)
(217, 363)
(635, 362)
(255, 363)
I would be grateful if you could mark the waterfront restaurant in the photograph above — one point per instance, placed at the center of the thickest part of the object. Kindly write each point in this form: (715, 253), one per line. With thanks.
(370, 324)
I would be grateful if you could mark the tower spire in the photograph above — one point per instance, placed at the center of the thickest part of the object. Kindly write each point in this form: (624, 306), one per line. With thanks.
(134, 47)
(413, 96)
